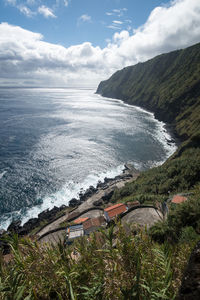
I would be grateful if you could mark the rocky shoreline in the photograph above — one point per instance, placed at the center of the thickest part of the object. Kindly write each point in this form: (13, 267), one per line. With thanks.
(50, 215)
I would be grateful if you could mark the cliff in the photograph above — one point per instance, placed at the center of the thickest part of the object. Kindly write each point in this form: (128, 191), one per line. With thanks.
(168, 85)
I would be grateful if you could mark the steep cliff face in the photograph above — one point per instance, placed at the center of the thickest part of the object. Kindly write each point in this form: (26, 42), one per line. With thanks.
(168, 85)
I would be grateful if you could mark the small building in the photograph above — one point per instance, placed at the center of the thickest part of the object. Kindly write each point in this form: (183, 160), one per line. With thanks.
(80, 220)
(92, 225)
(113, 211)
(74, 231)
(178, 199)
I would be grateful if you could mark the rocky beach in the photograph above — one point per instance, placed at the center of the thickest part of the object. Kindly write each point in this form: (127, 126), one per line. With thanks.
(93, 197)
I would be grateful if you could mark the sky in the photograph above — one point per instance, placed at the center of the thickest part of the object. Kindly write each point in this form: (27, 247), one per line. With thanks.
(64, 43)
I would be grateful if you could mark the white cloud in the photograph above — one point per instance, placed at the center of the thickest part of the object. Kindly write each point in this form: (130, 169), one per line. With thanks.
(26, 11)
(30, 2)
(11, 2)
(66, 3)
(120, 37)
(116, 10)
(109, 13)
(85, 18)
(46, 11)
(117, 22)
(24, 55)
(114, 27)
(26, 6)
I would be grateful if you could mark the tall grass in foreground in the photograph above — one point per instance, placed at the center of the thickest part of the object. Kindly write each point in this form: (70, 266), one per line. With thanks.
(111, 264)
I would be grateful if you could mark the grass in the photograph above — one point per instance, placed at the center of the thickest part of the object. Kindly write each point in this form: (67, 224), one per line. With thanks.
(107, 265)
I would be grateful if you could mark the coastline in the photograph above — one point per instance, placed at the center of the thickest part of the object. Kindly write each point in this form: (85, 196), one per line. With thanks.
(86, 200)
(49, 216)
(169, 127)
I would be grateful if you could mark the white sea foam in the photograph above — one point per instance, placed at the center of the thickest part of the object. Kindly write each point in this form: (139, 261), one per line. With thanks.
(162, 135)
(2, 174)
(63, 196)
(114, 122)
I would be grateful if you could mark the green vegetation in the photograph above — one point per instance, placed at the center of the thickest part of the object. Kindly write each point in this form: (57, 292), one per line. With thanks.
(181, 224)
(178, 174)
(108, 265)
(129, 263)
(168, 85)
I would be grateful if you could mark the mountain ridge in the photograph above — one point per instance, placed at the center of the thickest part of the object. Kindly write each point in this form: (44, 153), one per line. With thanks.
(168, 85)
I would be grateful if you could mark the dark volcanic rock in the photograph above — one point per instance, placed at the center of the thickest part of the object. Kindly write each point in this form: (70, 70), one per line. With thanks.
(102, 185)
(74, 202)
(4, 247)
(88, 193)
(107, 180)
(62, 207)
(190, 286)
(98, 203)
(29, 226)
(107, 196)
(48, 214)
(15, 226)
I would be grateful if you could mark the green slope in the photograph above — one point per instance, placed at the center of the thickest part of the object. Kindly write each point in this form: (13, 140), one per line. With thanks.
(169, 86)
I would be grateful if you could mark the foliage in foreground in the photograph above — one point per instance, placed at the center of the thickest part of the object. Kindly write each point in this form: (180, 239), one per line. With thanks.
(110, 264)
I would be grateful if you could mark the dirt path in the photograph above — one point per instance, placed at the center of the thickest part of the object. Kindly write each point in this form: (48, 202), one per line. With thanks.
(52, 237)
(53, 225)
(116, 184)
(89, 202)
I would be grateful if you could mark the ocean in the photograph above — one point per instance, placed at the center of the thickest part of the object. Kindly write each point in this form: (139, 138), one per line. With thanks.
(56, 142)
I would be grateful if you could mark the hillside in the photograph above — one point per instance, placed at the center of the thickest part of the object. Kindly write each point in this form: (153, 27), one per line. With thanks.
(168, 85)
(125, 260)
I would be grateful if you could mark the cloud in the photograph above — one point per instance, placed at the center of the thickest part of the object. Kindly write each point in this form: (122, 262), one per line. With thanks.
(26, 6)
(31, 2)
(117, 22)
(109, 13)
(114, 27)
(24, 55)
(66, 3)
(85, 18)
(26, 11)
(46, 11)
(117, 12)
(11, 2)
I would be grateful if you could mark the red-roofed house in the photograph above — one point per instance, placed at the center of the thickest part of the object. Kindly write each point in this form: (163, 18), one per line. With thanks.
(114, 211)
(178, 199)
(93, 224)
(80, 220)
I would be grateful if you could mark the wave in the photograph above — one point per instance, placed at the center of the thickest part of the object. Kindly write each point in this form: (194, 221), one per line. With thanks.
(161, 134)
(2, 174)
(69, 190)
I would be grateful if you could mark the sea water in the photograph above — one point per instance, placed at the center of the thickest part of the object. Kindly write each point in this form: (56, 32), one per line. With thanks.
(55, 142)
